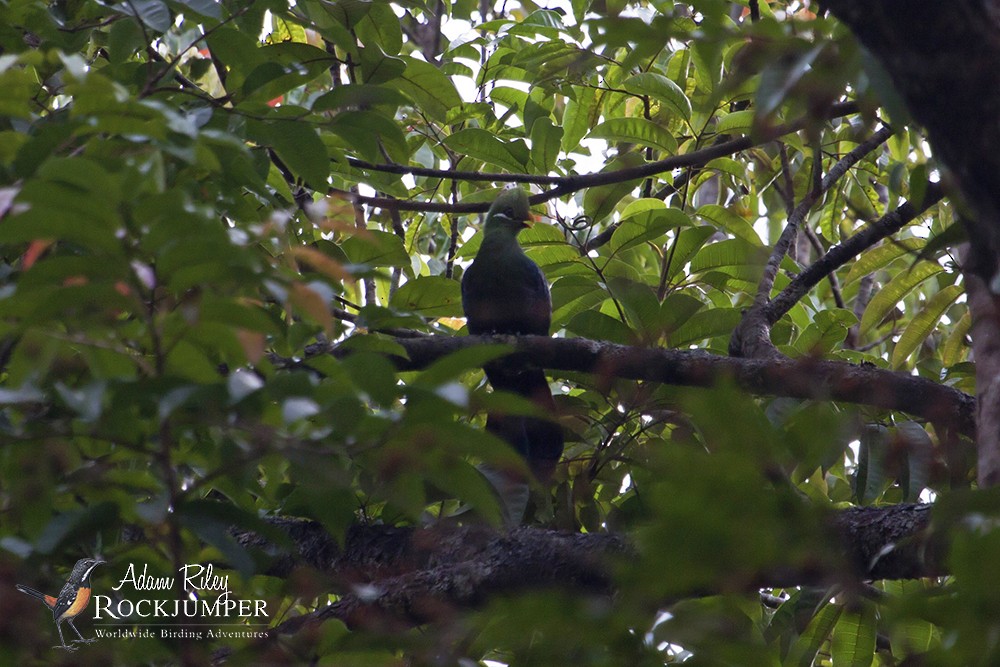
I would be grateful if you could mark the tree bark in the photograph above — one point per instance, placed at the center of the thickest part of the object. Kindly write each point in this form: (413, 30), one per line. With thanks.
(942, 58)
(391, 577)
(806, 378)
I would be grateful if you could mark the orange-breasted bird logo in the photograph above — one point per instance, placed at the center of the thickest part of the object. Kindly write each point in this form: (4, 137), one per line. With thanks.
(71, 601)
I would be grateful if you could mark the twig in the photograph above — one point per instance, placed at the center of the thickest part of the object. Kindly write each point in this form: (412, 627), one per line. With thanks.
(838, 255)
(802, 210)
(838, 297)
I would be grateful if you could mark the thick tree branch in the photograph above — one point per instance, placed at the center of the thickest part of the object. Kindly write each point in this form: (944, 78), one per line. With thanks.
(984, 307)
(391, 577)
(805, 378)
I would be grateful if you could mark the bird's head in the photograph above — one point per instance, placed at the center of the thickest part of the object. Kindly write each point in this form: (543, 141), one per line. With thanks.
(510, 212)
(85, 566)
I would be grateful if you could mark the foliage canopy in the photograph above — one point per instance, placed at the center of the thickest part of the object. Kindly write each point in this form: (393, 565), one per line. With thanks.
(193, 192)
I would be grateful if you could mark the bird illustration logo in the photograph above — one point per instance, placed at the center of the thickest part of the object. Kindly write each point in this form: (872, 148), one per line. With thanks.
(71, 601)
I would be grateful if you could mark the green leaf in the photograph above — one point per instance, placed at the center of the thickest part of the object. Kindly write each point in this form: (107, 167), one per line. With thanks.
(76, 527)
(599, 202)
(827, 331)
(781, 76)
(349, 12)
(375, 375)
(381, 27)
(803, 652)
(455, 364)
(545, 142)
(377, 67)
(704, 325)
(869, 476)
(689, 241)
(485, 146)
(212, 522)
(574, 294)
(727, 221)
(369, 132)
(153, 13)
(919, 452)
(636, 130)
(912, 636)
(19, 86)
(375, 248)
(548, 61)
(638, 229)
(897, 288)
(954, 348)
(429, 296)
(676, 310)
(879, 257)
(923, 323)
(598, 326)
(661, 89)
(464, 482)
(736, 122)
(299, 146)
(207, 8)
(376, 344)
(729, 253)
(952, 236)
(428, 87)
(512, 98)
(640, 304)
(358, 95)
(582, 112)
(853, 641)
(728, 166)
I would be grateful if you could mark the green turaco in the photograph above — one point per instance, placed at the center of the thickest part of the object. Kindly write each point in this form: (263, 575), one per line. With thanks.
(504, 292)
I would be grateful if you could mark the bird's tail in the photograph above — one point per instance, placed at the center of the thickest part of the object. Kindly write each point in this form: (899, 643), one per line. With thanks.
(540, 441)
(32, 592)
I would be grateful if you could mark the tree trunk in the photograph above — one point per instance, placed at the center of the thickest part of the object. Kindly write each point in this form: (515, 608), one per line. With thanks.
(942, 58)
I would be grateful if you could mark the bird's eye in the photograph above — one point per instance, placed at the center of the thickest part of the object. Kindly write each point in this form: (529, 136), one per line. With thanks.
(509, 212)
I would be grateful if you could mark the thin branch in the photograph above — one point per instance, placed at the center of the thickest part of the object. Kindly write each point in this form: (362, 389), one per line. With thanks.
(838, 297)
(788, 191)
(448, 174)
(172, 64)
(449, 266)
(861, 300)
(838, 255)
(798, 215)
(667, 190)
(400, 232)
(570, 184)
